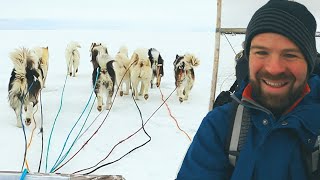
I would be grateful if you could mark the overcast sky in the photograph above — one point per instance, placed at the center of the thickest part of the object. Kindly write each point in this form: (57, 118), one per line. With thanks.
(177, 15)
(196, 14)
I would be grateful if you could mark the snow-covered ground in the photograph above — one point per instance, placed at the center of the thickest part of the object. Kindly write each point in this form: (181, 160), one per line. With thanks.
(158, 159)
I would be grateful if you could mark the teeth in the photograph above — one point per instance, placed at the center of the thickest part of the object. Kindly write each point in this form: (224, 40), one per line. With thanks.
(279, 84)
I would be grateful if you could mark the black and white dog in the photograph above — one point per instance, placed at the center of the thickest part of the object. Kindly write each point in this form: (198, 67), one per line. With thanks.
(25, 83)
(103, 79)
(184, 74)
(156, 65)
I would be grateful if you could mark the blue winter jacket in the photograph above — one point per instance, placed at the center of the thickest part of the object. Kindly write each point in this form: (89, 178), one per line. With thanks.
(273, 147)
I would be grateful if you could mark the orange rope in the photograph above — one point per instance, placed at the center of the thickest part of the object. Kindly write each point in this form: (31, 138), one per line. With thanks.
(177, 124)
(34, 128)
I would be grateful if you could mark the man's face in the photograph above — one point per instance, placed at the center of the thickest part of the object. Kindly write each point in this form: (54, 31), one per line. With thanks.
(278, 71)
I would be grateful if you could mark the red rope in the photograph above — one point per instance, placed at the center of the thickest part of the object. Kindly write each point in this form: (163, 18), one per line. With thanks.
(177, 124)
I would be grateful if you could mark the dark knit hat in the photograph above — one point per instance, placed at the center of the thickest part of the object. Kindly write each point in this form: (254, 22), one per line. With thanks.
(289, 19)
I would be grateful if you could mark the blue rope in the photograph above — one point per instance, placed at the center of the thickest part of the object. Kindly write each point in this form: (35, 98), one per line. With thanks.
(24, 174)
(58, 162)
(48, 147)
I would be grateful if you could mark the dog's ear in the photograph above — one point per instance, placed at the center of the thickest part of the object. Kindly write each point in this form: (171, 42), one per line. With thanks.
(177, 56)
(107, 50)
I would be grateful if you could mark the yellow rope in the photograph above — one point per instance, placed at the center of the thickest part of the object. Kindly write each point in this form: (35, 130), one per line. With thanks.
(31, 137)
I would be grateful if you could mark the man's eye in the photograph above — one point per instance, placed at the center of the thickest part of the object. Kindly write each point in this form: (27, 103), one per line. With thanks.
(261, 52)
(290, 56)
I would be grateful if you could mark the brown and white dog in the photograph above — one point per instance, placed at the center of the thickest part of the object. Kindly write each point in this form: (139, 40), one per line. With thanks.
(140, 72)
(156, 65)
(43, 54)
(121, 67)
(184, 74)
(95, 48)
(103, 79)
(72, 56)
(25, 83)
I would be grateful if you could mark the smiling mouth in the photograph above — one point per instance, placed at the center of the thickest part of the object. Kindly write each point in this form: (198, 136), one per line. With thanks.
(275, 84)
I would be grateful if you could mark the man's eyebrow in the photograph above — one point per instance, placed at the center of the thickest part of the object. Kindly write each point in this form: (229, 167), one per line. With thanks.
(257, 47)
(285, 50)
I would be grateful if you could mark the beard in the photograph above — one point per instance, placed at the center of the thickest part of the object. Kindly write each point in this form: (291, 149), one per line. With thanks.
(276, 103)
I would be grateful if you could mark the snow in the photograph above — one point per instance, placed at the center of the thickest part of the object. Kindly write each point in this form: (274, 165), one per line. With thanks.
(158, 159)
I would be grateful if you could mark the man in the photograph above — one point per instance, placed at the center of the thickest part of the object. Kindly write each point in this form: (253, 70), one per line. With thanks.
(282, 99)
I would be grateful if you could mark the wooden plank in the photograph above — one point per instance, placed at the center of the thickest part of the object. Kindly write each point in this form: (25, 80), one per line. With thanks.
(13, 175)
(242, 31)
(216, 57)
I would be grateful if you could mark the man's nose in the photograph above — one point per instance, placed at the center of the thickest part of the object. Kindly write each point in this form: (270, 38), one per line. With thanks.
(275, 65)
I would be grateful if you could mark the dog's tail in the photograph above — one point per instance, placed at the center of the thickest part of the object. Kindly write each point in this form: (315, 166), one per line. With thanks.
(20, 58)
(190, 58)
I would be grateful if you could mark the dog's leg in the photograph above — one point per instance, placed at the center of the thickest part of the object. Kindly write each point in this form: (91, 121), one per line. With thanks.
(25, 105)
(119, 76)
(189, 85)
(187, 91)
(127, 83)
(18, 112)
(135, 90)
(153, 77)
(76, 66)
(180, 90)
(99, 97)
(70, 69)
(109, 97)
(29, 113)
(142, 87)
(145, 89)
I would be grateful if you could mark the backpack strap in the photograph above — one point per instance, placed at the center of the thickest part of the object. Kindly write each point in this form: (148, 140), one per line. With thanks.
(240, 128)
(312, 161)
(240, 124)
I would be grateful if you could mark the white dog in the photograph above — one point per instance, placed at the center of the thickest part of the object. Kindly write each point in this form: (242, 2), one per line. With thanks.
(121, 67)
(140, 72)
(25, 83)
(184, 74)
(72, 58)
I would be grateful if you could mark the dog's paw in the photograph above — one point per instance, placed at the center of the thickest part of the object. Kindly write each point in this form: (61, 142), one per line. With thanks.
(146, 96)
(180, 99)
(28, 121)
(99, 108)
(70, 74)
(121, 93)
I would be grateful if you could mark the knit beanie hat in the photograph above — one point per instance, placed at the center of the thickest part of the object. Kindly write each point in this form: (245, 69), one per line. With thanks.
(289, 19)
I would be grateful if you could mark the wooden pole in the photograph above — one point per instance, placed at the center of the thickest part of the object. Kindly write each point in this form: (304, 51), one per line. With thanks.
(216, 56)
